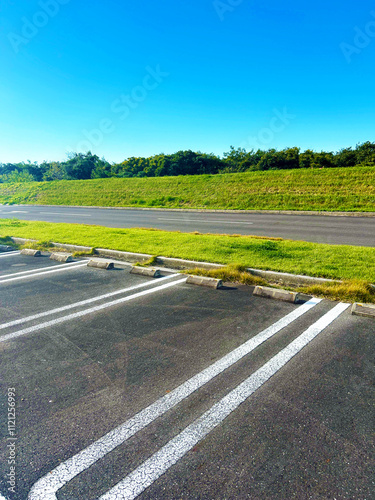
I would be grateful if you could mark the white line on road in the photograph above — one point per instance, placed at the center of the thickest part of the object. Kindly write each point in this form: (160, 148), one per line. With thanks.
(18, 212)
(51, 213)
(83, 302)
(144, 475)
(205, 220)
(56, 269)
(85, 312)
(6, 254)
(78, 215)
(63, 213)
(47, 486)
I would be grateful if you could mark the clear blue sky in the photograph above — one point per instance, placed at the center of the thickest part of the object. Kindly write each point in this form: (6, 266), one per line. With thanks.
(143, 77)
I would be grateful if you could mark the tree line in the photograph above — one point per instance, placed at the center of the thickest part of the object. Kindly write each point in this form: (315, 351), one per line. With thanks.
(90, 166)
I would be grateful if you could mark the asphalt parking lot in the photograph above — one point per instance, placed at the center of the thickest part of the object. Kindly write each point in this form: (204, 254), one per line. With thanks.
(132, 387)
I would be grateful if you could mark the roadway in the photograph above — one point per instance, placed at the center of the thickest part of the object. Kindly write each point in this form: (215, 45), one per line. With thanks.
(316, 228)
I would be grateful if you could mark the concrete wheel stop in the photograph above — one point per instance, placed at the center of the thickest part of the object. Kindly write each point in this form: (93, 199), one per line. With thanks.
(145, 271)
(61, 257)
(31, 252)
(274, 293)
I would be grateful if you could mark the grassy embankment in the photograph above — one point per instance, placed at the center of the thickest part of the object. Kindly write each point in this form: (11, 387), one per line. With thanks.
(329, 261)
(338, 189)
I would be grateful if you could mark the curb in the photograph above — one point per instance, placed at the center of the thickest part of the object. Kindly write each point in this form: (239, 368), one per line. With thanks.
(22, 241)
(181, 264)
(288, 278)
(72, 248)
(126, 256)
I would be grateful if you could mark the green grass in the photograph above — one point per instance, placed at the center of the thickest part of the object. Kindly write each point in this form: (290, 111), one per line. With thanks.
(346, 291)
(234, 273)
(330, 261)
(338, 189)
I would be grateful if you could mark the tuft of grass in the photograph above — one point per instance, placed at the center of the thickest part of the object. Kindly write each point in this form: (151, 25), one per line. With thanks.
(347, 291)
(233, 273)
(150, 262)
(85, 254)
(46, 246)
(336, 189)
(7, 240)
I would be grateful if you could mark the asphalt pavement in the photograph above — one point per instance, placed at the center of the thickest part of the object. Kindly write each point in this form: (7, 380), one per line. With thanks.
(316, 228)
(132, 387)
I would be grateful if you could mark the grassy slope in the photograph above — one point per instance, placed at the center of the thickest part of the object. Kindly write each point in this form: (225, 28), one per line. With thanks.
(331, 261)
(349, 189)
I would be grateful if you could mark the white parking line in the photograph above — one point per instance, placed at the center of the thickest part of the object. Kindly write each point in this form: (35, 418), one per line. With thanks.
(53, 322)
(40, 269)
(7, 254)
(83, 302)
(55, 269)
(144, 475)
(206, 220)
(47, 486)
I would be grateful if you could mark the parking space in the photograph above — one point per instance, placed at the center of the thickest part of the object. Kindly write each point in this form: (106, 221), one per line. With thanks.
(51, 286)
(13, 263)
(129, 386)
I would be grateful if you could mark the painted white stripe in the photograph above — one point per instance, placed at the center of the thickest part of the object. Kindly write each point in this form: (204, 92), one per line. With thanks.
(209, 221)
(78, 215)
(39, 269)
(83, 302)
(6, 254)
(51, 213)
(144, 475)
(85, 312)
(1, 497)
(63, 213)
(47, 486)
(56, 269)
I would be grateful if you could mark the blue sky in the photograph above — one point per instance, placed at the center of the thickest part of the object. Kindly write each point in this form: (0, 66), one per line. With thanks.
(139, 78)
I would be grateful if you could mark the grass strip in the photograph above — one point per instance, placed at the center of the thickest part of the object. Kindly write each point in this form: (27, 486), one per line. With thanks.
(276, 254)
(337, 189)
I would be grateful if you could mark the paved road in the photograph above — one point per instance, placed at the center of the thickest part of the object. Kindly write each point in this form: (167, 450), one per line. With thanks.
(127, 387)
(320, 229)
